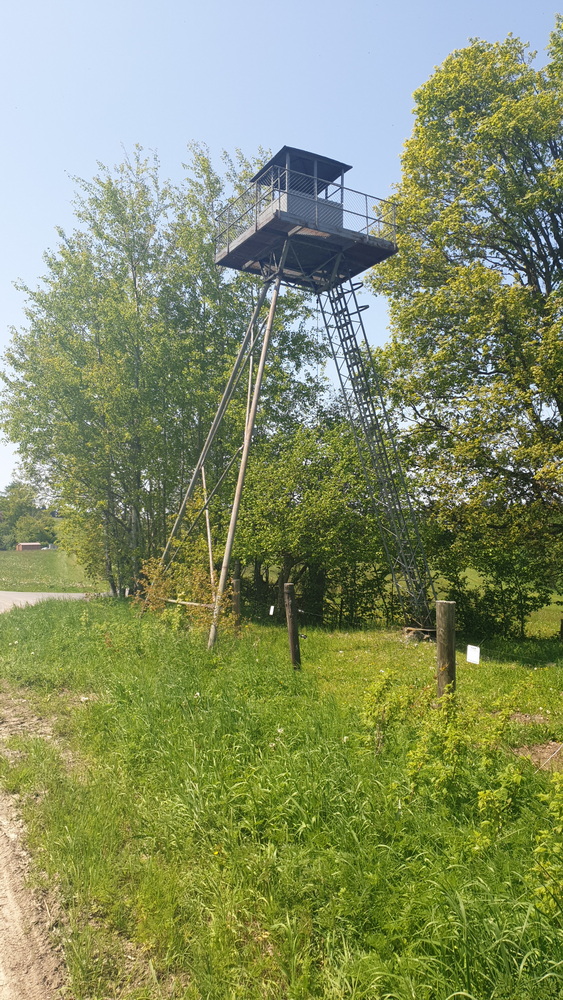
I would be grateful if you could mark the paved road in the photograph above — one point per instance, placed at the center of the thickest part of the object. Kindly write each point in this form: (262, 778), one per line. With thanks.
(18, 599)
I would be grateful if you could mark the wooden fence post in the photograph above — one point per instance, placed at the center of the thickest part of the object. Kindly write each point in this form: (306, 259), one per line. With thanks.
(445, 646)
(292, 627)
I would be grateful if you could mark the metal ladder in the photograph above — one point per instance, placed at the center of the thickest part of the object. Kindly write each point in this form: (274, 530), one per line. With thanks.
(377, 448)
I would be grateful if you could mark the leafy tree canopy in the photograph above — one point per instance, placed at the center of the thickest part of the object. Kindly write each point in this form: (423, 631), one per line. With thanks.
(22, 518)
(306, 512)
(475, 366)
(129, 340)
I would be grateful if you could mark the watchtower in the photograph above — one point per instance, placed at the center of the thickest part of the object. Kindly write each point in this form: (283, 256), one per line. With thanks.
(334, 232)
(297, 224)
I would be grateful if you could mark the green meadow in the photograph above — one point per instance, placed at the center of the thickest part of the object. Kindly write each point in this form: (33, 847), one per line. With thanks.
(218, 826)
(52, 570)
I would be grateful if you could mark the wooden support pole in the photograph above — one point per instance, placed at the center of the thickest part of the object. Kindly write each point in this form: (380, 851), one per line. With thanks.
(445, 646)
(292, 626)
(236, 601)
(208, 531)
(229, 389)
(249, 430)
(189, 604)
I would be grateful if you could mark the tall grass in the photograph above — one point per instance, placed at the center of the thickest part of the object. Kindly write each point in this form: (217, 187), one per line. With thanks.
(223, 827)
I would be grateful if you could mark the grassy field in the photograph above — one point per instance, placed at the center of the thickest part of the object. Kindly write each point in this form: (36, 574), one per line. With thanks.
(219, 826)
(52, 570)
(547, 621)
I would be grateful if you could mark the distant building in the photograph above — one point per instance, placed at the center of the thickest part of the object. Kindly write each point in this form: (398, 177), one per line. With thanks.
(28, 547)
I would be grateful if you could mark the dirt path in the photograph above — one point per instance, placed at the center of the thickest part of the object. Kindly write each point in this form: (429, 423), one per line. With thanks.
(31, 967)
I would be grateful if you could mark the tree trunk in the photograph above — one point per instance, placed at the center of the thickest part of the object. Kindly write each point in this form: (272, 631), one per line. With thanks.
(314, 592)
(258, 580)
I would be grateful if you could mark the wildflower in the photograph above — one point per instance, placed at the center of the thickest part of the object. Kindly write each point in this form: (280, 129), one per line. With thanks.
(280, 729)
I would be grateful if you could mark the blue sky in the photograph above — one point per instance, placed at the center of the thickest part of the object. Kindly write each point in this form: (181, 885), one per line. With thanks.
(81, 81)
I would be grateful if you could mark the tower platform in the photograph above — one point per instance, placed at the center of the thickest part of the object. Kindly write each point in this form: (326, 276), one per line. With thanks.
(334, 232)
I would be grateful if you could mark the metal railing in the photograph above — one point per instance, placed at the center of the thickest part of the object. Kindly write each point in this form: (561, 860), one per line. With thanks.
(320, 205)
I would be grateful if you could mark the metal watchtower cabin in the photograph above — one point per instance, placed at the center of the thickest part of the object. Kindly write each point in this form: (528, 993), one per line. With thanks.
(297, 224)
(333, 232)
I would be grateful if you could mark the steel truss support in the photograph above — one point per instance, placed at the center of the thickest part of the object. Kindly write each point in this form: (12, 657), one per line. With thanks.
(378, 452)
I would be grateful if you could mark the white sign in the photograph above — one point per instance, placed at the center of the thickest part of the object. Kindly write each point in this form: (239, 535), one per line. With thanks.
(272, 609)
(473, 654)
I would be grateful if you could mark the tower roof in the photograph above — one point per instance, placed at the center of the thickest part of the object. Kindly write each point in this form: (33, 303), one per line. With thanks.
(302, 161)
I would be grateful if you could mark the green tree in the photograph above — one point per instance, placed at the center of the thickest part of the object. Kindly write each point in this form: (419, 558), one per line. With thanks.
(22, 518)
(112, 385)
(306, 515)
(475, 366)
(38, 527)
